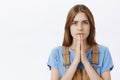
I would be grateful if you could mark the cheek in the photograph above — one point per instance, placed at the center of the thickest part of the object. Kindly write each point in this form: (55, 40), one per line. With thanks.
(87, 31)
(72, 31)
(88, 34)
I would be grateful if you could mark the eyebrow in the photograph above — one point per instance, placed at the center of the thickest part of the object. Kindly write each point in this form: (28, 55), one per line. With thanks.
(78, 21)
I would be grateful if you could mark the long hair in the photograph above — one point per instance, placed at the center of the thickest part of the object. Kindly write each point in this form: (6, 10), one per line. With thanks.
(68, 39)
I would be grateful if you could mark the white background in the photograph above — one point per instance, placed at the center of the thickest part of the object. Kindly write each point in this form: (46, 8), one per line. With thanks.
(30, 29)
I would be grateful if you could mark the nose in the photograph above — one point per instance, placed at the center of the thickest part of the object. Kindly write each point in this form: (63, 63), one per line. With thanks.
(80, 28)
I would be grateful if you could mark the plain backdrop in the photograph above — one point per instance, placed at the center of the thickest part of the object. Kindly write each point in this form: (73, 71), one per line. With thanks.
(30, 29)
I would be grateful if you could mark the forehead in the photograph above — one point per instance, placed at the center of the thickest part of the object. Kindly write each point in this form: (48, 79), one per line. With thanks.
(80, 17)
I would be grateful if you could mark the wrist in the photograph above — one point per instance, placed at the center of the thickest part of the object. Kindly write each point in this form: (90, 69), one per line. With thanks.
(86, 62)
(76, 60)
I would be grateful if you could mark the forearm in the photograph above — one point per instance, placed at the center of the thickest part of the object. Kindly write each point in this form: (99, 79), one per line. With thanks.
(70, 72)
(91, 71)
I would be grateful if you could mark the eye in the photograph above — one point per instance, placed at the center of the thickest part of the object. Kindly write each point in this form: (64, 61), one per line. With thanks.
(74, 22)
(85, 22)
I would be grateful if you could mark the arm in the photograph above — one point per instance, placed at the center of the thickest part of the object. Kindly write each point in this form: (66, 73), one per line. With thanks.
(55, 74)
(93, 75)
(106, 75)
(89, 69)
(69, 73)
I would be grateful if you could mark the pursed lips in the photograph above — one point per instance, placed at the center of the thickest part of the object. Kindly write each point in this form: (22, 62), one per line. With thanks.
(80, 34)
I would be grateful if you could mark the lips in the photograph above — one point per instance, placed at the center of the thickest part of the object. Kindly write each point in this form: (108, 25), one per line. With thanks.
(79, 33)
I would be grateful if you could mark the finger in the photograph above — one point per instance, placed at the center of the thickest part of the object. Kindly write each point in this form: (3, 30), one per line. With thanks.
(78, 42)
(81, 43)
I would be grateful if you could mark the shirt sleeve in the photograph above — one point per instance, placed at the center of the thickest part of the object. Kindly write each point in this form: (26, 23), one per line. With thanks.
(53, 59)
(107, 61)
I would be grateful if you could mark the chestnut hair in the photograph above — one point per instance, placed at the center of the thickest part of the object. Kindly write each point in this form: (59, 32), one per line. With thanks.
(68, 39)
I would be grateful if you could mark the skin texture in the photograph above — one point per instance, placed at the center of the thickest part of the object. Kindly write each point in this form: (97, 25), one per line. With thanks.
(80, 29)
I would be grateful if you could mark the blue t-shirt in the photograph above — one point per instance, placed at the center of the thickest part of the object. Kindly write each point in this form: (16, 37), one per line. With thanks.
(105, 61)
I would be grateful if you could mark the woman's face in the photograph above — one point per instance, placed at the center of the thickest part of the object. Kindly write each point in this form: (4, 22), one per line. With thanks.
(80, 26)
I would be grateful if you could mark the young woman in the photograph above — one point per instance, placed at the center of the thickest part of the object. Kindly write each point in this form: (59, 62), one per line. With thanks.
(80, 57)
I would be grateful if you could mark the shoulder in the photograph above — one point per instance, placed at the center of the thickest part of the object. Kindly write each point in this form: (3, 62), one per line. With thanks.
(103, 51)
(105, 59)
(54, 58)
(56, 50)
(102, 48)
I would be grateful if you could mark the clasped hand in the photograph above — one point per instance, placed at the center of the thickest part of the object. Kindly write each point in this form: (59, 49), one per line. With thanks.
(80, 54)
